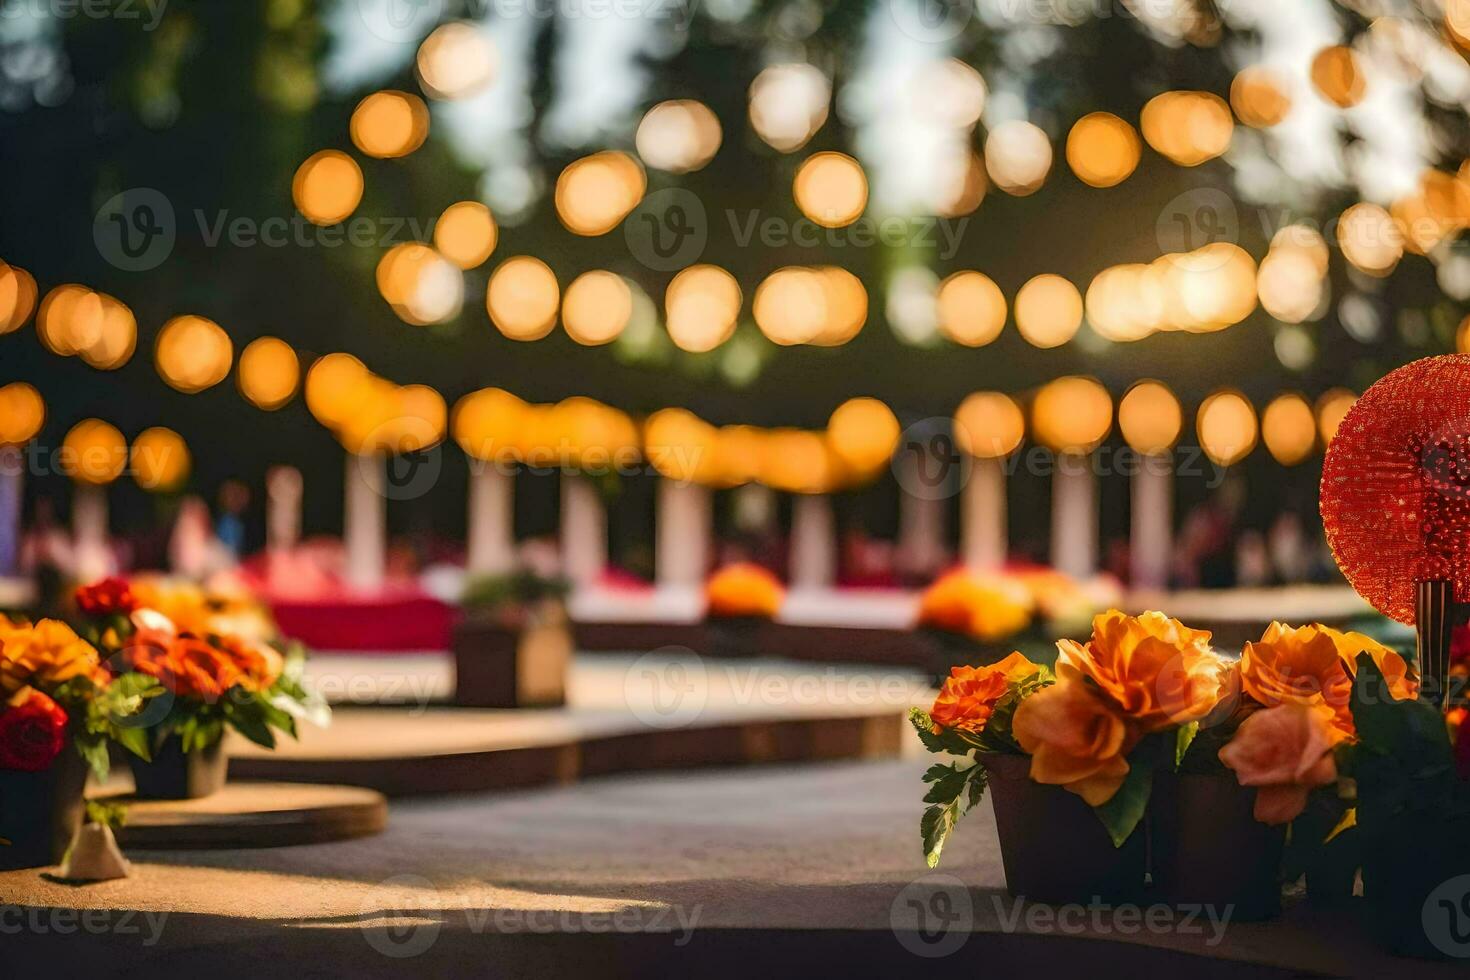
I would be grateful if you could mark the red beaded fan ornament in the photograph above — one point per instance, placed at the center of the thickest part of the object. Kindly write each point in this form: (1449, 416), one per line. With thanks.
(1396, 499)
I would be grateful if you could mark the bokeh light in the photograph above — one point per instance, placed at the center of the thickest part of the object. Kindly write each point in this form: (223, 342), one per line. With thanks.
(1332, 407)
(160, 460)
(678, 136)
(455, 61)
(465, 234)
(1072, 414)
(420, 284)
(863, 433)
(1370, 239)
(523, 298)
(94, 452)
(1048, 310)
(192, 353)
(1102, 149)
(22, 413)
(1289, 429)
(390, 124)
(790, 306)
(1226, 426)
(597, 307)
(788, 104)
(971, 309)
(595, 193)
(1017, 157)
(701, 307)
(328, 187)
(1259, 97)
(831, 189)
(989, 425)
(1337, 76)
(1187, 127)
(268, 373)
(1150, 418)
(17, 297)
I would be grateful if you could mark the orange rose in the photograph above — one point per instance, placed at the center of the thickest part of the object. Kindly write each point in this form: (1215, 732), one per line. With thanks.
(744, 589)
(1156, 671)
(969, 694)
(188, 667)
(1285, 752)
(46, 656)
(1076, 739)
(258, 663)
(1315, 665)
(983, 608)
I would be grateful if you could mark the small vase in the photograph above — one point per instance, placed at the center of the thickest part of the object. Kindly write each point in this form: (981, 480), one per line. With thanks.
(174, 774)
(1052, 845)
(41, 811)
(1209, 849)
(515, 660)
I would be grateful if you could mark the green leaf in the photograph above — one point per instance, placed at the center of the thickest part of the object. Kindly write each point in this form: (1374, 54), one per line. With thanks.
(979, 780)
(935, 827)
(947, 740)
(135, 740)
(948, 782)
(94, 751)
(1121, 814)
(252, 725)
(1185, 740)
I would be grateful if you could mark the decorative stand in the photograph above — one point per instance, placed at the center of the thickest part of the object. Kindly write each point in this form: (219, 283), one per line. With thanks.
(1435, 616)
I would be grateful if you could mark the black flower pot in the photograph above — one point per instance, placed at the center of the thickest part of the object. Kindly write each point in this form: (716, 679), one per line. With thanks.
(1209, 849)
(515, 660)
(174, 774)
(1417, 883)
(41, 811)
(1053, 846)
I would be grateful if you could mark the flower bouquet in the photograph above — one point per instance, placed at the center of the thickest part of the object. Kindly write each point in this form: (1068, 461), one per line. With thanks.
(972, 618)
(514, 643)
(59, 710)
(740, 598)
(212, 679)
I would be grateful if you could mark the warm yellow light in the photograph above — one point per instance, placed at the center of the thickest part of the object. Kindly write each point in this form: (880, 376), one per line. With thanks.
(678, 136)
(1289, 429)
(94, 452)
(1102, 149)
(327, 187)
(268, 373)
(335, 387)
(960, 185)
(1150, 418)
(790, 306)
(788, 104)
(1018, 157)
(597, 307)
(420, 284)
(465, 234)
(1370, 239)
(160, 459)
(1226, 425)
(17, 297)
(1258, 96)
(680, 445)
(797, 461)
(1457, 21)
(1332, 408)
(1048, 311)
(1072, 414)
(1289, 285)
(390, 124)
(989, 425)
(69, 319)
(523, 298)
(1337, 76)
(116, 339)
(22, 413)
(455, 61)
(1187, 127)
(192, 353)
(831, 189)
(846, 303)
(595, 193)
(971, 309)
(1462, 336)
(701, 306)
(863, 433)
(488, 423)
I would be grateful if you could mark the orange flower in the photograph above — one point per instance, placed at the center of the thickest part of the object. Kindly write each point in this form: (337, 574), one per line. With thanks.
(1156, 671)
(1285, 752)
(969, 694)
(258, 663)
(744, 589)
(188, 667)
(1315, 665)
(986, 609)
(46, 656)
(1076, 739)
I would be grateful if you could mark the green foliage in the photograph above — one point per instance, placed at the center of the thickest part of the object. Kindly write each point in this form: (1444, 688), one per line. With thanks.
(107, 813)
(953, 792)
(109, 714)
(1122, 812)
(492, 595)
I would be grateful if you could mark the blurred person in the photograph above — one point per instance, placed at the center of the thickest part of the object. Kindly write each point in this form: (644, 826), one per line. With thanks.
(234, 501)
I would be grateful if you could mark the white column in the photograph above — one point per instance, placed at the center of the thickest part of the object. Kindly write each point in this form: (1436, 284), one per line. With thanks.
(365, 522)
(283, 492)
(491, 546)
(583, 530)
(813, 563)
(921, 521)
(12, 491)
(89, 529)
(683, 526)
(983, 515)
(1074, 516)
(1152, 524)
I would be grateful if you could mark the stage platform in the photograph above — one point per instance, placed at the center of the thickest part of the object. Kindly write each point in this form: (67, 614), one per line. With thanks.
(659, 710)
(768, 872)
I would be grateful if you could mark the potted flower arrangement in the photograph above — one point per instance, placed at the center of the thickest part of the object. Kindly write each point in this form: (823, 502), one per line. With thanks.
(212, 679)
(513, 645)
(970, 618)
(1052, 745)
(740, 598)
(59, 710)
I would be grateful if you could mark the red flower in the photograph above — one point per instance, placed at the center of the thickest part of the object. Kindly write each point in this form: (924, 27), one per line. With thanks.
(109, 597)
(32, 732)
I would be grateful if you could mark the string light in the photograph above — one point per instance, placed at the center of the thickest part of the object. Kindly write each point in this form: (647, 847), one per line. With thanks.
(971, 309)
(523, 298)
(192, 353)
(1102, 149)
(160, 459)
(327, 187)
(989, 425)
(389, 124)
(1150, 418)
(268, 373)
(1226, 426)
(597, 307)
